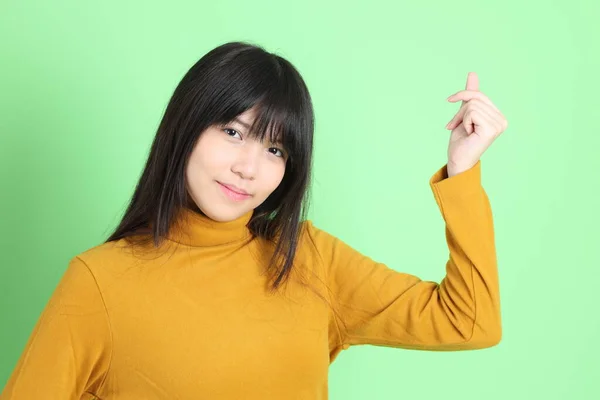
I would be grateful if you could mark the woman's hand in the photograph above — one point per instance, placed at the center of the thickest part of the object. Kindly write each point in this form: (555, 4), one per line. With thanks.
(475, 126)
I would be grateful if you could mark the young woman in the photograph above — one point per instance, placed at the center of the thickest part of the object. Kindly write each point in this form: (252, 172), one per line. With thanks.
(215, 286)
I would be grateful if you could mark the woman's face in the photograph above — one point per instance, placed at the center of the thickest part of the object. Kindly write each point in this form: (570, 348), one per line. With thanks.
(229, 174)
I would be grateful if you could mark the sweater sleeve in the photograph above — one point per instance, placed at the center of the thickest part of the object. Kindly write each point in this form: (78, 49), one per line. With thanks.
(68, 352)
(380, 306)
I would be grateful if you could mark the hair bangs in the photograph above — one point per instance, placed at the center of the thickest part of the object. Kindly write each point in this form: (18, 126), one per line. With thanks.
(279, 121)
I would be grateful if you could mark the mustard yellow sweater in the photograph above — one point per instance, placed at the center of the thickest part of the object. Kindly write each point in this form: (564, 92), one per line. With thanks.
(193, 319)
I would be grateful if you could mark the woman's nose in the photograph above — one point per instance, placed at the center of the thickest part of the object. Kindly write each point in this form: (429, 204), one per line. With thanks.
(247, 161)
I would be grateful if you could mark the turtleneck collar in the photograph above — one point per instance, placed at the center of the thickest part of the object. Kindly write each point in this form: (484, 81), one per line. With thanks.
(194, 229)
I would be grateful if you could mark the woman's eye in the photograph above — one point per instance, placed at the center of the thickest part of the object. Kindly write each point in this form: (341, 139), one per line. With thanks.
(232, 132)
(276, 151)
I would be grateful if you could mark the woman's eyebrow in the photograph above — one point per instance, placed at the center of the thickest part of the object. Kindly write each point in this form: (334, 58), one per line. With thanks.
(247, 126)
(239, 121)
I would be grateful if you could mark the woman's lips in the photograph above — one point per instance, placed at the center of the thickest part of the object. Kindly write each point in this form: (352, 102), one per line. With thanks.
(232, 194)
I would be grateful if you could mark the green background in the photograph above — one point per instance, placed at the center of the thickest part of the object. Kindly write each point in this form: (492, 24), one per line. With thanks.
(83, 87)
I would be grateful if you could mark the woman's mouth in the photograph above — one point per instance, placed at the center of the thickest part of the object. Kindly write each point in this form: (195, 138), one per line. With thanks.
(232, 194)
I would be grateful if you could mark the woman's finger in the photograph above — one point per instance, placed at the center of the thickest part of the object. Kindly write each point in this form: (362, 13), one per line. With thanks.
(476, 116)
(466, 95)
(457, 117)
(492, 115)
(485, 108)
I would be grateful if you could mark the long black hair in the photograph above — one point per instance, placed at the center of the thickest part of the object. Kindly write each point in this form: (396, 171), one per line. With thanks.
(224, 83)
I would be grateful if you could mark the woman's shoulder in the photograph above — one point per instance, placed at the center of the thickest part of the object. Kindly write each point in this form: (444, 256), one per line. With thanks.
(315, 240)
(111, 259)
(316, 235)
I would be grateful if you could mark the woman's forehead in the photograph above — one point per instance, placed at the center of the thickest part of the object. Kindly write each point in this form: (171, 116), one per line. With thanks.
(261, 125)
